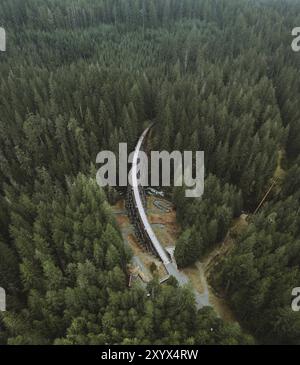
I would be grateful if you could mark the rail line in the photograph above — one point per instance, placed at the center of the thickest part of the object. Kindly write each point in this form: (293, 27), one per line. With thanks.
(139, 205)
(136, 207)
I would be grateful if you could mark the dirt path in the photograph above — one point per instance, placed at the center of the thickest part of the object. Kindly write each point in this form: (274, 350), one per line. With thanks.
(210, 261)
(167, 230)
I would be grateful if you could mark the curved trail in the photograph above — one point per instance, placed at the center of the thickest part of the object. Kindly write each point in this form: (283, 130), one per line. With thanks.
(170, 266)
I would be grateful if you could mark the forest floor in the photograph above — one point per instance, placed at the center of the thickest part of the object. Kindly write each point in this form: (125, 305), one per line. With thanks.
(142, 260)
(200, 272)
(167, 230)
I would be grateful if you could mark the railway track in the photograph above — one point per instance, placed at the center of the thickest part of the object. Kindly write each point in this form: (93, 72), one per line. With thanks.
(136, 207)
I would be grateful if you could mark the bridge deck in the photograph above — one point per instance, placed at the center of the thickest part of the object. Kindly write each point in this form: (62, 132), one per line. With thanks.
(171, 268)
(138, 201)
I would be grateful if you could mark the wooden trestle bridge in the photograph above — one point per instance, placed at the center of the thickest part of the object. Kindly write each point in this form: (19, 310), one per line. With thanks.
(136, 206)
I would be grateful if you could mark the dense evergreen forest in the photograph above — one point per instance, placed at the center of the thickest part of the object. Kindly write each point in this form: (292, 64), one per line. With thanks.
(80, 76)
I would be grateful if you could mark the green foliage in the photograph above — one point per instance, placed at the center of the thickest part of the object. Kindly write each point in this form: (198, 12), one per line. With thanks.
(81, 76)
(188, 248)
(209, 219)
(263, 269)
